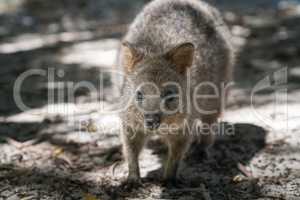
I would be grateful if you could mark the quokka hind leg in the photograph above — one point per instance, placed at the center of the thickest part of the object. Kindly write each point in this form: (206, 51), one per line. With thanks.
(177, 146)
(133, 143)
(208, 134)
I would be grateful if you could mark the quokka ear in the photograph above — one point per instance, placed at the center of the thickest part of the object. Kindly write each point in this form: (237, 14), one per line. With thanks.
(130, 56)
(181, 56)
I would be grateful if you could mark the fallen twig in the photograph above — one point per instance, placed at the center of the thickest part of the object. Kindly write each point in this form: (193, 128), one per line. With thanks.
(244, 170)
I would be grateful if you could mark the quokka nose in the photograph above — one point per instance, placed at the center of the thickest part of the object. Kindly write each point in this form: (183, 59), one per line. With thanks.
(152, 121)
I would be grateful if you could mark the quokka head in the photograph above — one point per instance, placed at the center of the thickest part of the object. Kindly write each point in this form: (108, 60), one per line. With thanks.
(158, 83)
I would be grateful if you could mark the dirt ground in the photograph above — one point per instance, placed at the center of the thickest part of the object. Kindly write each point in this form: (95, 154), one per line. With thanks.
(71, 149)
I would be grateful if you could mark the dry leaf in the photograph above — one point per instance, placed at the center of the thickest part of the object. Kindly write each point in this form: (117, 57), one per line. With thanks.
(238, 178)
(91, 127)
(58, 151)
(88, 196)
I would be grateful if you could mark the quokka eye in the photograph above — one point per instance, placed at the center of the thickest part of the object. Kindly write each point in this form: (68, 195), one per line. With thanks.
(169, 95)
(139, 96)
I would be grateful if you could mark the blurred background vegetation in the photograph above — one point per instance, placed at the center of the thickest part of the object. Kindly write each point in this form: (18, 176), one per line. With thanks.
(69, 15)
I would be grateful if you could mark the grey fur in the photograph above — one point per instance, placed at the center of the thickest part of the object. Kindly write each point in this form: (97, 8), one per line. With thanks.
(160, 27)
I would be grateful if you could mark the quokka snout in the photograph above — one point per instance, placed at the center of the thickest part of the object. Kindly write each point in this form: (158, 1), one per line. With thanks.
(172, 46)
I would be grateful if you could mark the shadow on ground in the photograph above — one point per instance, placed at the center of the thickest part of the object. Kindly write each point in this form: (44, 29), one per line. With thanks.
(66, 171)
(217, 176)
(37, 88)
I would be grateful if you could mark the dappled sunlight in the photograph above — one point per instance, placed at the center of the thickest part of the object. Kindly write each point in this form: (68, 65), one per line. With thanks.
(29, 42)
(94, 53)
(63, 110)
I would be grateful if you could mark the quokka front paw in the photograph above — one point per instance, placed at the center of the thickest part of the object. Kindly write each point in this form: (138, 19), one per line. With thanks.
(132, 183)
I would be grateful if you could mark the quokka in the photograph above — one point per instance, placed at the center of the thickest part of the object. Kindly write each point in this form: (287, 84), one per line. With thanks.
(172, 44)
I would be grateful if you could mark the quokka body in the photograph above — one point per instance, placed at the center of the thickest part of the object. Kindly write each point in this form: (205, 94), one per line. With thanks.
(173, 45)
